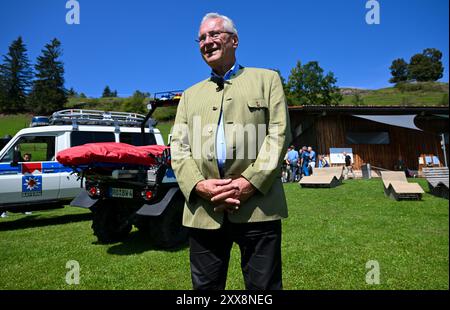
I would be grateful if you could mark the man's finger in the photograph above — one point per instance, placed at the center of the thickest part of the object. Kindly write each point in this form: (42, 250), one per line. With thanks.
(221, 182)
(224, 188)
(234, 202)
(223, 195)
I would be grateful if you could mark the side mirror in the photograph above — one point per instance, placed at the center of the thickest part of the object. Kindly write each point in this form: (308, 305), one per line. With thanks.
(16, 157)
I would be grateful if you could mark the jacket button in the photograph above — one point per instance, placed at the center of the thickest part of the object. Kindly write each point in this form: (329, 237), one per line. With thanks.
(209, 156)
(214, 108)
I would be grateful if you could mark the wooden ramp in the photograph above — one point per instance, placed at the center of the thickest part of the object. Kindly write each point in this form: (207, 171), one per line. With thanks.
(323, 177)
(437, 179)
(396, 186)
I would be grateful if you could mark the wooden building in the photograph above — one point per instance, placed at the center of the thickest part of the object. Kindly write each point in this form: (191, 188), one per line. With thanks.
(376, 135)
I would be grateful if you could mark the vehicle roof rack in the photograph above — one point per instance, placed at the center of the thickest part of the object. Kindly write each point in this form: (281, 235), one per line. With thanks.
(95, 117)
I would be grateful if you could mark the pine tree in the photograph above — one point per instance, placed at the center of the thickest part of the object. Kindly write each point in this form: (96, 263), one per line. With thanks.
(399, 71)
(48, 93)
(106, 92)
(72, 93)
(15, 78)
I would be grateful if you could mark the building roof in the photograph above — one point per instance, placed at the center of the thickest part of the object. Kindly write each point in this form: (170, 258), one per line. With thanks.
(371, 110)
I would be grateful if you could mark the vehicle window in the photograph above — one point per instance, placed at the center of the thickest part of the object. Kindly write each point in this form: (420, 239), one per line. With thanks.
(33, 148)
(134, 138)
(83, 137)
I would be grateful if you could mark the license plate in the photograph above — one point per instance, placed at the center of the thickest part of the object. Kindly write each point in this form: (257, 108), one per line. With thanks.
(121, 192)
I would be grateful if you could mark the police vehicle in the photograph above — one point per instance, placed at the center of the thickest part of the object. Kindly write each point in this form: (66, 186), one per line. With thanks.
(30, 176)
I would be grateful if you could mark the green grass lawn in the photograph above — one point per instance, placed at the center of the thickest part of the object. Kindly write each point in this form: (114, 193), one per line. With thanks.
(328, 238)
(164, 128)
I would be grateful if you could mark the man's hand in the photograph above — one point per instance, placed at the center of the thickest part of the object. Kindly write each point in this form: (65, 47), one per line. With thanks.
(244, 191)
(207, 189)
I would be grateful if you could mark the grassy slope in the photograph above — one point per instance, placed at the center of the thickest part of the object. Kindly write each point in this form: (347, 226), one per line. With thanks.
(393, 96)
(328, 238)
(10, 124)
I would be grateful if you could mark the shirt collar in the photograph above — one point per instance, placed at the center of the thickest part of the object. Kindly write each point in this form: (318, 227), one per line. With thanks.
(230, 72)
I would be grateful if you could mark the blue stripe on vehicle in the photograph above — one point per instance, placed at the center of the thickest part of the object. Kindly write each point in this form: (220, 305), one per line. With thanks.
(47, 167)
(5, 168)
(54, 167)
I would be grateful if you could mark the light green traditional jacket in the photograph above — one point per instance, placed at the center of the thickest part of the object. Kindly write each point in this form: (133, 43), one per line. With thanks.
(257, 132)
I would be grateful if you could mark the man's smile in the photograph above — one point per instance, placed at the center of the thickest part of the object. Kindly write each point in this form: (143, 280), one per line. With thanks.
(210, 51)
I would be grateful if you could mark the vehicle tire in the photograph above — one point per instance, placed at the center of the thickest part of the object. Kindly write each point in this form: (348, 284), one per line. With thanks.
(166, 230)
(110, 221)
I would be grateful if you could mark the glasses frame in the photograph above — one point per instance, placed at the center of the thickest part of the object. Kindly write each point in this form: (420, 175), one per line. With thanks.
(214, 35)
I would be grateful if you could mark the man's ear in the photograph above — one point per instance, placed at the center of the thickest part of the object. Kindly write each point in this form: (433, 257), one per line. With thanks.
(235, 41)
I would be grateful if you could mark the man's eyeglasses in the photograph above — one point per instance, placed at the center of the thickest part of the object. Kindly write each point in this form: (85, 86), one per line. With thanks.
(212, 34)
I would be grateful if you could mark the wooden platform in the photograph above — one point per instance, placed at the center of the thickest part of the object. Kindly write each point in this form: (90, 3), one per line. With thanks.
(437, 178)
(323, 178)
(397, 187)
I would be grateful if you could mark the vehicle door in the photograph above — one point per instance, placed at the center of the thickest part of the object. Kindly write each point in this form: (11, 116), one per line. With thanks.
(24, 174)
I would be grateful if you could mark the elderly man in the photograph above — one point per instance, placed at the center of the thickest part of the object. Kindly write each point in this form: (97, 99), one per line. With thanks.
(228, 142)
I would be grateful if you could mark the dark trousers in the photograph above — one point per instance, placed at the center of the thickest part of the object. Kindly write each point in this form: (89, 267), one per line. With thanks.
(260, 246)
(293, 176)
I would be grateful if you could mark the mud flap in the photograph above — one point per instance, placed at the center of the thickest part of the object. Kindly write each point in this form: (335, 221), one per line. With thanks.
(83, 200)
(159, 207)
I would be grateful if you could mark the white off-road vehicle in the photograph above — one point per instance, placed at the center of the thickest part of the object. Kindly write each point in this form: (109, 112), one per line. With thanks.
(30, 176)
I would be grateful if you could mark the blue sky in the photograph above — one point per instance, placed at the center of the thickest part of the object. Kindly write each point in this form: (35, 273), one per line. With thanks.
(149, 45)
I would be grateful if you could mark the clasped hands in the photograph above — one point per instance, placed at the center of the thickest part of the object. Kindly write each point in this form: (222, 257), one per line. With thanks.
(226, 194)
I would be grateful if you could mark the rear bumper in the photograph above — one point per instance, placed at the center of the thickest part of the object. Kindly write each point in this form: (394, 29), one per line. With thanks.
(83, 200)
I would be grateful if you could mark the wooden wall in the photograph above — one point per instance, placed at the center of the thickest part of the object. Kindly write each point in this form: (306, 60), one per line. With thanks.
(330, 131)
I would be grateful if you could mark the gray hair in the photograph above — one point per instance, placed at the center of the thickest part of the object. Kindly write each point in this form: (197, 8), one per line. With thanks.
(228, 24)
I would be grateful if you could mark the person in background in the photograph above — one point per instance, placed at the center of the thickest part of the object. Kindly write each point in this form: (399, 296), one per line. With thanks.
(305, 161)
(292, 161)
(348, 166)
(284, 168)
(323, 163)
(312, 160)
(27, 157)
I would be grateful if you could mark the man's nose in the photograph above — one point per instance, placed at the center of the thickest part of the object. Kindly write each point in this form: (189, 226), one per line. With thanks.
(208, 40)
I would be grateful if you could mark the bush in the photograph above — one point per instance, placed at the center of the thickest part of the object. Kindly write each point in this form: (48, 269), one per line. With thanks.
(419, 86)
(165, 114)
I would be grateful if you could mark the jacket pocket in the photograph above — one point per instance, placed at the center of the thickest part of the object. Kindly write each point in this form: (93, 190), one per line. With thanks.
(257, 104)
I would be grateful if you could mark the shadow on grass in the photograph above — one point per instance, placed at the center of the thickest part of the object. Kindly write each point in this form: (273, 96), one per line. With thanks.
(33, 221)
(138, 242)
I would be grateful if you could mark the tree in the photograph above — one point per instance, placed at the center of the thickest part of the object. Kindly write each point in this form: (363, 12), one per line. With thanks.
(307, 85)
(48, 93)
(72, 93)
(426, 66)
(15, 78)
(399, 71)
(114, 93)
(135, 103)
(106, 92)
(357, 100)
